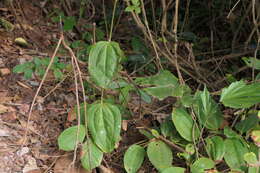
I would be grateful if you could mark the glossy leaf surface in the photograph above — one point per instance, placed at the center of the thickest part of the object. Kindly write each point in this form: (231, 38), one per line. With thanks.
(174, 170)
(104, 122)
(201, 164)
(207, 110)
(240, 95)
(234, 154)
(134, 158)
(215, 147)
(67, 139)
(91, 155)
(185, 124)
(103, 62)
(159, 154)
(249, 123)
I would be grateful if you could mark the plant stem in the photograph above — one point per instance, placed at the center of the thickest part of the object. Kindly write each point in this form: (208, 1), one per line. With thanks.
(112, 21)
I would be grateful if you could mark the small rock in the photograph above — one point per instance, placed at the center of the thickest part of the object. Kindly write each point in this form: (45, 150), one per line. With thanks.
(4, 71)
(3, 133)
(23, 151)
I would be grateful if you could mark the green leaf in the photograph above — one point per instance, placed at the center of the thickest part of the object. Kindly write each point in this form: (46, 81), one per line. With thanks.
(163, 78)
(91, 155)
(22, 67)
(104, 61)
(164, 84)
(240, 95)
(160, 92)
(250, 158)
(207, 110)
(40, 71)
(257, 78)
(173, 170)
(215, 147)
(234, 153)
(19, 68)
(187, 100)
(69, 23)
(67, 139)
(124, 94)
(155, 133)
(201, 164)
(37, 62)
(228, 132)
(145, 97)
(146, 134)
(185, 124)
(181, 90)
(28, 73)
(137, 10)
(104, 122)
(57, 74)
(136, 2)
(130, 8)
(253, 170)
(159, 154)
(134, 158)
(236, 171)
(167, 129)
(249, 123)
(252, 62)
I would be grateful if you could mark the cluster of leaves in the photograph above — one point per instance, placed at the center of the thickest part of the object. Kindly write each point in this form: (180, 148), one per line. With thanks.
(103, 119)
(193, 116)
(38, 66)
(134, 7)
(196, 123)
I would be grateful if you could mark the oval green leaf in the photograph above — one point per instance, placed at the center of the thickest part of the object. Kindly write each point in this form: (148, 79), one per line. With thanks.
(201, 164)
(104, 122)
(174, 170)
(67, 139)
(104, 58)
(240, 95)
(91, 156)
(234, 154)
(250, 158)
(247, 124)
(184, 124)
(159, 154)
(207, 110)
(215, 147)
(133, 158)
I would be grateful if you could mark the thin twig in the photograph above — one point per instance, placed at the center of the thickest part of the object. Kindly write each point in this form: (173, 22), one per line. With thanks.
(39, 88)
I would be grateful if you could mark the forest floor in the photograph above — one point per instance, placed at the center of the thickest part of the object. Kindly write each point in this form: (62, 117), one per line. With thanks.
(39, 153)
(31, 147)
(29, 144)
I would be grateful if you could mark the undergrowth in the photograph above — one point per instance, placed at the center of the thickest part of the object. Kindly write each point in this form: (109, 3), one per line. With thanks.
(167, 50)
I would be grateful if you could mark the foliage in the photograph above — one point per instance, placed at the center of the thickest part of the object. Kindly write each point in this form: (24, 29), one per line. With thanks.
(38, 66)
(191, 117)
(104, 118)
(133, 158)
(135, 7)
(194, 131)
